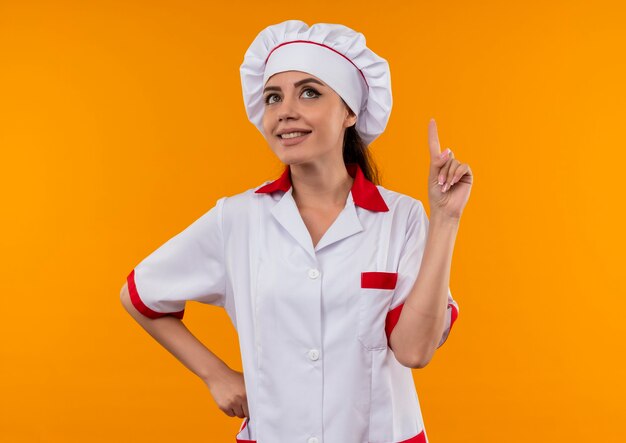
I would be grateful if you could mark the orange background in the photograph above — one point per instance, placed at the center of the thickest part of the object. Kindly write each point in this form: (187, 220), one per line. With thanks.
(122, 122)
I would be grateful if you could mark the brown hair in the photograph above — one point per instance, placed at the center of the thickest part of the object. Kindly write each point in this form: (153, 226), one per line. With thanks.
(356, 151)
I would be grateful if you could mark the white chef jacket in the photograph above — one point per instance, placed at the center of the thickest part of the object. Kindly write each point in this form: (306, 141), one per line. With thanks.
(313, 322)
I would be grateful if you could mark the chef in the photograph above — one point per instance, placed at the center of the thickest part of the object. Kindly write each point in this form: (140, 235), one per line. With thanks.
(318, 268)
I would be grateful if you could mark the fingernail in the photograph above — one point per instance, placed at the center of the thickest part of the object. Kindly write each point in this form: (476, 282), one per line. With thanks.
(441, 179)
(444, 154)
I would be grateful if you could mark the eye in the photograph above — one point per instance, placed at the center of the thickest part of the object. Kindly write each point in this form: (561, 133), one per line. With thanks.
(317, 94)
(268, 98)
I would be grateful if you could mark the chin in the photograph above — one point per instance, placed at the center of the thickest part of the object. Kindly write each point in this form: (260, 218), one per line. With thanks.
(290, 153)
(294, 159)
(290, 159)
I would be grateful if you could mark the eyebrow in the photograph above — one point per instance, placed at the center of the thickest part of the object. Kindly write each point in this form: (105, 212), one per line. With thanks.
(296, 84)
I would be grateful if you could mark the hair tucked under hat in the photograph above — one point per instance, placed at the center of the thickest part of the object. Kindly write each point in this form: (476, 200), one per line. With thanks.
(335, 54)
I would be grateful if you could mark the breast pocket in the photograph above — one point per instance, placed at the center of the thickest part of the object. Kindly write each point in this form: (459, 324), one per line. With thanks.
(376, 291)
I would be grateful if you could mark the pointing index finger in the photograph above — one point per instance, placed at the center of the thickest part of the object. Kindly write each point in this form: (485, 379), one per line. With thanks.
(433, 139)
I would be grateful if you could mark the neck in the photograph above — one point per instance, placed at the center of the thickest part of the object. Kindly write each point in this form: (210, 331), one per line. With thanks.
(320, 186)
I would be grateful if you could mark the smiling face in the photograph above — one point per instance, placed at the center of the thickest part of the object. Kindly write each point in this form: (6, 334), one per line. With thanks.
(297, 101)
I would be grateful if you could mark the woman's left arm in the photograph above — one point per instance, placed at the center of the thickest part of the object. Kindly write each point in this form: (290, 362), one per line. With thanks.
(419, 329)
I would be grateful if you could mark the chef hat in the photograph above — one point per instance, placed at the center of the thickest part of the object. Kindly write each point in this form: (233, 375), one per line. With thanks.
(335, 54)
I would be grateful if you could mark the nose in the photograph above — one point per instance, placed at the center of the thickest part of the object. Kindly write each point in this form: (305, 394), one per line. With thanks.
(287, 109)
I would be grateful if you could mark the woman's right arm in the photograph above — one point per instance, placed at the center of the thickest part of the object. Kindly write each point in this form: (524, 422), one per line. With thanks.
(226, 385)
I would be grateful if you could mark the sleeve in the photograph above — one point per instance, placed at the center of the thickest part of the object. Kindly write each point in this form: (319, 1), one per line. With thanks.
(408, 269)
(189, 266)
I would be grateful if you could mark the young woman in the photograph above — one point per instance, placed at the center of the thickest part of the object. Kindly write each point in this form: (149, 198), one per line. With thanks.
(336, 285)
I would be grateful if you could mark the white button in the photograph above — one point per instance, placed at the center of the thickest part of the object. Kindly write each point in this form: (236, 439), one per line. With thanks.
(313, 440)
(314, 273)
(314, 354)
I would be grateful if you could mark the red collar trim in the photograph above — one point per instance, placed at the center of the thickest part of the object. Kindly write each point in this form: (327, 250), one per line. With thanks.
(364, 193)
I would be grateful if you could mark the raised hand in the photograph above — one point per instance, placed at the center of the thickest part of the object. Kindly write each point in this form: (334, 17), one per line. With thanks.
(449, 181)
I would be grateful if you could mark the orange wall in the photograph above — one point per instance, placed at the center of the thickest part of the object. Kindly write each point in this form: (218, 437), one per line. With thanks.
(121, 122)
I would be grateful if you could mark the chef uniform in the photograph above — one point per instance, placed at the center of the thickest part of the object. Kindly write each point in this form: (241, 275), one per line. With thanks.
(313, 321)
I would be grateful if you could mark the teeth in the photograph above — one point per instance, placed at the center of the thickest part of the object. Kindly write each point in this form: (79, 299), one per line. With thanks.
(293, 134)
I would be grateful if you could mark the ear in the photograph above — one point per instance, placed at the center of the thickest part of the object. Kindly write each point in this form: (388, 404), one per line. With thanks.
(350, 118)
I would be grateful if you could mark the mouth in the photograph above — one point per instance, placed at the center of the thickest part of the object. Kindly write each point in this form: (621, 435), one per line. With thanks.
(293, 138)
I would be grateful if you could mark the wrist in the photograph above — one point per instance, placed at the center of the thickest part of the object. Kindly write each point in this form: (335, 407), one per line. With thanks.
(439, 219)
(214, 373)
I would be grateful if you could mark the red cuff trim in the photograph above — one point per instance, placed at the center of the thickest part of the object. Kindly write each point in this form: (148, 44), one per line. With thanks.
(394, 315)
(140, 306)
(390, 322)
(455, 314)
